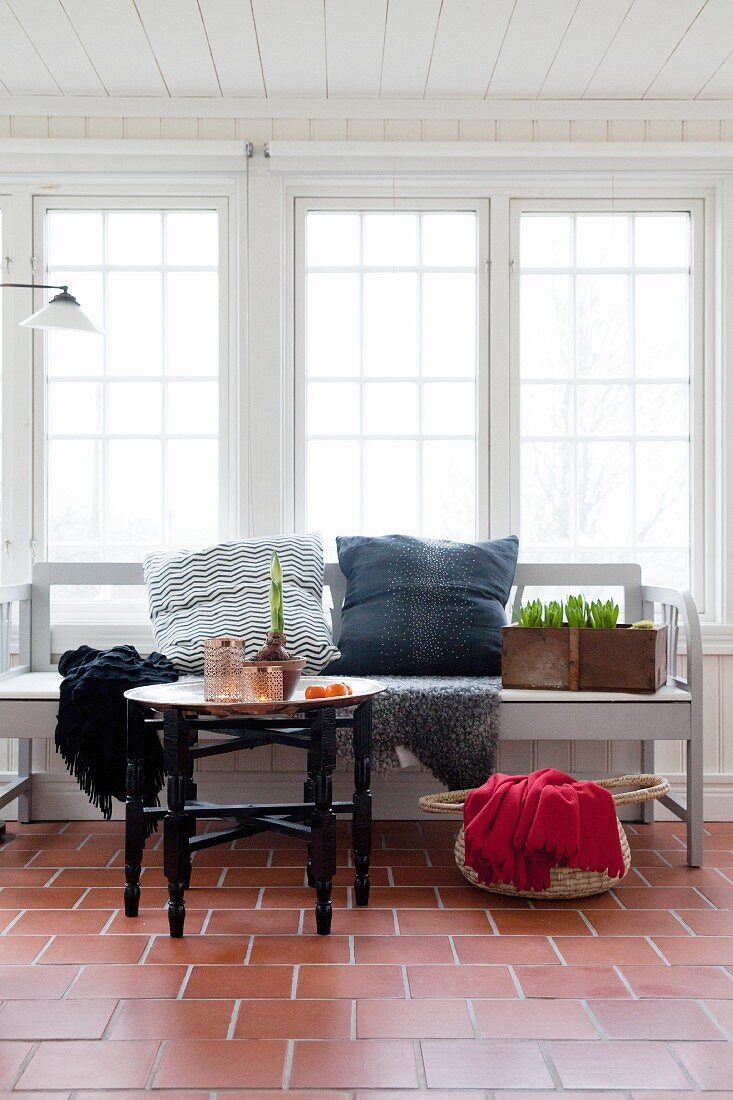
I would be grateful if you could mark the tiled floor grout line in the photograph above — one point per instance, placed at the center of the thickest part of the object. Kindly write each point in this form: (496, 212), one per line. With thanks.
(472, 1017)
(658, 950)
(586, 921)
(110, 920)
(684, 924)
(156, 1064)
(184, 982)
(78, 901)
(288, 1065)
(551, 1069)
(37, 958)
(672, 1052)
(622, 977)
(147, 949)
(556, 949)
(14, 921)
(116, 1013)
(233, 1019)
(492, 923)
(422, 1081)
(24, 1065)
(700, 894)
(725, 1032)
(517, 984)
(74, 981)
(614, 896)
(602, 1034)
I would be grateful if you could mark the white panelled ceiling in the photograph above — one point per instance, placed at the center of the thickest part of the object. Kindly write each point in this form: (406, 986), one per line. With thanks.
(366, 49)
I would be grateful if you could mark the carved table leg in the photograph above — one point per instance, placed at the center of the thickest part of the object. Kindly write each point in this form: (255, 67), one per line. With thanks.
(134, 816)
(192, 792)
(362, 819)
(323, 825)
(309, 794)
(176, 851)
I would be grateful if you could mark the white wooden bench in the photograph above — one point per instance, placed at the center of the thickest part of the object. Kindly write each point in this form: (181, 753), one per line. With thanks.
(29, 691)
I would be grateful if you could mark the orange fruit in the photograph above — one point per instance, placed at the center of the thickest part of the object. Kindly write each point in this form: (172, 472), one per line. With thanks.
(334, 690)
(315, 691)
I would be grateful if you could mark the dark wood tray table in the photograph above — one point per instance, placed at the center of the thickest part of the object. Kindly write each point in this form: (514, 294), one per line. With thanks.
(182, 713)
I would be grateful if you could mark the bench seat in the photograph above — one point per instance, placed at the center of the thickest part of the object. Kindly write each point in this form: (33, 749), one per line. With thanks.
(29, 693)
(30, 685)
(46, 685)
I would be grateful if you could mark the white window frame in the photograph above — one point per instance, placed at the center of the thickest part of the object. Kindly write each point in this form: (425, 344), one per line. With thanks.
(295, 408)
(702, 443)
(111, 609)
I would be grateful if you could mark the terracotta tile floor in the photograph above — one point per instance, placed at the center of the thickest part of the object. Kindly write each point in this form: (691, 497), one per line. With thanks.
(435, 987)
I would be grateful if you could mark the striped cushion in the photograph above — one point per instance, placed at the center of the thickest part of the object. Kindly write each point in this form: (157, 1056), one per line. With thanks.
(225, 590)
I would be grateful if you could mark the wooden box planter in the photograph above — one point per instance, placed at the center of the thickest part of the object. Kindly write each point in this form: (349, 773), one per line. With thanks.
(569, 658)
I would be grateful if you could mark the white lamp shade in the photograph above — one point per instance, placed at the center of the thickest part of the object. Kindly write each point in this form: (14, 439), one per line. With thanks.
(62, 312)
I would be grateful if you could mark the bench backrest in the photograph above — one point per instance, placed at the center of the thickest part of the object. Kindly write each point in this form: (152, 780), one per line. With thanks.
(567, 576)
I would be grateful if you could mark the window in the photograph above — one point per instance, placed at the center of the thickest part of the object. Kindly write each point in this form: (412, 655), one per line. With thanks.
(133, 446)
(605, 388)
(391, 325)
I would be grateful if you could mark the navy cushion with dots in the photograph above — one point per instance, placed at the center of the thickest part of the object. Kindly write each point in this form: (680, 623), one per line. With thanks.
(423, 607)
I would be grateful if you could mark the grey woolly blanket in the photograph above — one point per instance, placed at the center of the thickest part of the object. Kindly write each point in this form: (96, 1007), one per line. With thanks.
(451, 724)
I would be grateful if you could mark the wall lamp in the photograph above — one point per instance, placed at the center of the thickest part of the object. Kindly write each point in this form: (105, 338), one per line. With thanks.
(62, 312)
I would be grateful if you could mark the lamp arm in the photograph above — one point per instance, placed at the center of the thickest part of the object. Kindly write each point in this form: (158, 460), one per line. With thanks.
(38, 286)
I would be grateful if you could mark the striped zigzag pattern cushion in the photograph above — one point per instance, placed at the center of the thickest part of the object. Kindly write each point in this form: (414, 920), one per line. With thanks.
(225, 589)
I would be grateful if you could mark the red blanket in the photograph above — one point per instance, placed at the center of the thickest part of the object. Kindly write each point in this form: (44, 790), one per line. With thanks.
(517, 827)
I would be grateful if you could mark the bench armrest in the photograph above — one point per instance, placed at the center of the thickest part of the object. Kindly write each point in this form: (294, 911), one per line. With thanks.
(11, 594)
(678, 611)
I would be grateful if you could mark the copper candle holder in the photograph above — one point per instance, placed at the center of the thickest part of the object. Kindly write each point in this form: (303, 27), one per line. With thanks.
(223, 664)
(270, 681)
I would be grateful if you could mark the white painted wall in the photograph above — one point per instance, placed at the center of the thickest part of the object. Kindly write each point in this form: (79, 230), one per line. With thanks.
(429, 128)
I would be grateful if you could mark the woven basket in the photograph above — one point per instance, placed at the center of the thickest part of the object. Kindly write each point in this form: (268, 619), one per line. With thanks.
(565, 882)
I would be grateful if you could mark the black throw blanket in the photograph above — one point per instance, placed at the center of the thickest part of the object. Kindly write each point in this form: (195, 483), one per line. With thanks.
(91, 732)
